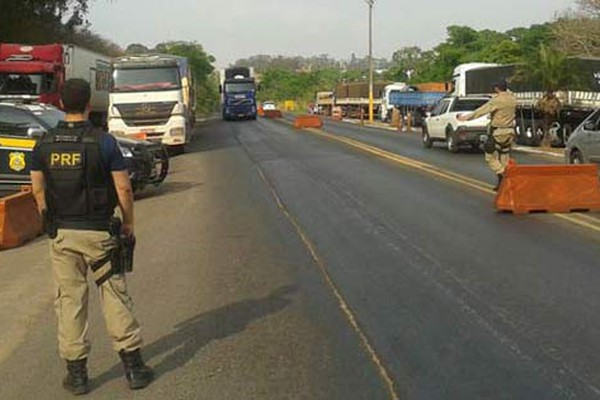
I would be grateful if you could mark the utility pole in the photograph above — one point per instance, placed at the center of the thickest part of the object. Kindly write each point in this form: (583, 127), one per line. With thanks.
(371, 98)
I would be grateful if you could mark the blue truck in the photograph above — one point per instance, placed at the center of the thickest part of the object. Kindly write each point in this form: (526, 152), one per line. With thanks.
(414, 102)
(238, 93)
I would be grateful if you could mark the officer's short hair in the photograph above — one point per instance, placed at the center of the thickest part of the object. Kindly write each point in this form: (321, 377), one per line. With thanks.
(501, 85)
(75, 95)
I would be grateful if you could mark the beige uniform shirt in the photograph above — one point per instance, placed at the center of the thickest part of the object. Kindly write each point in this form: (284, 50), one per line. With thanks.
(502, 109)
(549, 105)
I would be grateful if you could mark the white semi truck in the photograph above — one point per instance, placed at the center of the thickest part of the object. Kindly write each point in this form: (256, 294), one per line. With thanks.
(153, 97)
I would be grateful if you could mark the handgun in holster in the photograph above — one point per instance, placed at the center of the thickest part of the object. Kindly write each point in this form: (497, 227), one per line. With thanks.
(122, 257)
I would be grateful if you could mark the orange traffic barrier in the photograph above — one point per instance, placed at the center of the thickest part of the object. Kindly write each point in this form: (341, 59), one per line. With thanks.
(273, 114)
(260, 111)
(308, 121)
(549, 188)
(19, 219)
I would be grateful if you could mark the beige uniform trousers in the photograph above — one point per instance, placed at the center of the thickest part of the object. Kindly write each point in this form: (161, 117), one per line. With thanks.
(73, 252)
(498, 161)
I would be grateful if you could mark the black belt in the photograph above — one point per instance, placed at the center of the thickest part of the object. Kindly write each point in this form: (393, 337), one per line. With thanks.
(82, 225)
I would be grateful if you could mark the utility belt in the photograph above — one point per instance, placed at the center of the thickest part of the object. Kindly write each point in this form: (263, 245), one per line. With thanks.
(492, 145)
(121, 258)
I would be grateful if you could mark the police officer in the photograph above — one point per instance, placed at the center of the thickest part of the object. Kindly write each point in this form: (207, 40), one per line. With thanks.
(549, 105)
(502, 108)
(79, 177)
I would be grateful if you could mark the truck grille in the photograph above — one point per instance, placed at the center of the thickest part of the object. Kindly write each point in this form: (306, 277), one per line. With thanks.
(240, 102)
(146, 114)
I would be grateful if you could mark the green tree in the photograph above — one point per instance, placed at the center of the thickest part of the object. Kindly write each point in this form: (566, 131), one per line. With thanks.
(577, 32)
(34, 21)
(405, 63)
(49, 21)
(549, 69)
(136, 48)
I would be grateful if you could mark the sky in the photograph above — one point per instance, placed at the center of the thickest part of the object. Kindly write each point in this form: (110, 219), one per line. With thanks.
(234, 29)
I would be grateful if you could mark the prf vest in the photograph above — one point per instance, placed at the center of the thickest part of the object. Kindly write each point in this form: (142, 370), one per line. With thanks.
(80, 192)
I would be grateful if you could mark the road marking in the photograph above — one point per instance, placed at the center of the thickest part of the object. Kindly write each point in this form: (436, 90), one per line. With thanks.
(343, 304)
(582, 220)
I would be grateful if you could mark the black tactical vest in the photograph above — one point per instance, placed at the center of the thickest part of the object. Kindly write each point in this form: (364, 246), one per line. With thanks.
(80, 192)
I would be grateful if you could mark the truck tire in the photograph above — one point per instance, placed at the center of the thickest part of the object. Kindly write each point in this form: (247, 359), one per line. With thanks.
(426, 139)
(451, 143)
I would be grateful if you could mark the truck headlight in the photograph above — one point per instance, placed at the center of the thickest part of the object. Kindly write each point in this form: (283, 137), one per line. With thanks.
(177, 132)
(127, 153)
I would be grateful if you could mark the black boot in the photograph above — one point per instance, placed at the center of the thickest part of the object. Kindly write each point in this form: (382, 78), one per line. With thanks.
(137, 373)
(76, 381)
(497, 187)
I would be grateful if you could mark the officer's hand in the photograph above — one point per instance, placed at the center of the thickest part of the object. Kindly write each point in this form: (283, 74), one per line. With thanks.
(127, 230)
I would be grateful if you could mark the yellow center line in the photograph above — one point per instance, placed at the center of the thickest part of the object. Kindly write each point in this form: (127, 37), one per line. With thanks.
(579, 219)
(582, 220)
(589, 218)
(342, 303)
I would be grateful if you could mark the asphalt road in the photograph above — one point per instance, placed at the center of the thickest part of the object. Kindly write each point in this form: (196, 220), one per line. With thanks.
(281, 264)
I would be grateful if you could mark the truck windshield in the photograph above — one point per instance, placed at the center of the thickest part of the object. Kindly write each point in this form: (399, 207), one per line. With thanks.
(239, 87)
(25, 84)
(145, 79)
(468, 105)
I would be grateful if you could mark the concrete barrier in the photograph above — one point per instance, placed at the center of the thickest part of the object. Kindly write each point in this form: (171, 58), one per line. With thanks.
(308, 121)
(19, 219)
(549, 188)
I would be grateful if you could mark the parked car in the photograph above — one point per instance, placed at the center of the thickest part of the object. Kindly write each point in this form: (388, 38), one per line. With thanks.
(583, 145)
(269, 105)
(442, 125)
(21, 125)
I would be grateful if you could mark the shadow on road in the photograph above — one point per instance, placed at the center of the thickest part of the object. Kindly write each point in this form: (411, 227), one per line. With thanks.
(167, 188)
(190, 336)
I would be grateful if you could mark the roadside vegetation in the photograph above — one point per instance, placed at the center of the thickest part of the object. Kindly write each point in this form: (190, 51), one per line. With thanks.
(543, 51)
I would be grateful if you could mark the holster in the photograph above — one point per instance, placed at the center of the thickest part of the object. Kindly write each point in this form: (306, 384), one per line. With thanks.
(492, 145)
(122, 256)
(489, 147)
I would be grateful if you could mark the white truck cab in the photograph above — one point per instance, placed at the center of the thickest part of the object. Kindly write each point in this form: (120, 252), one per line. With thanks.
(149, 99)
(386, 107)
